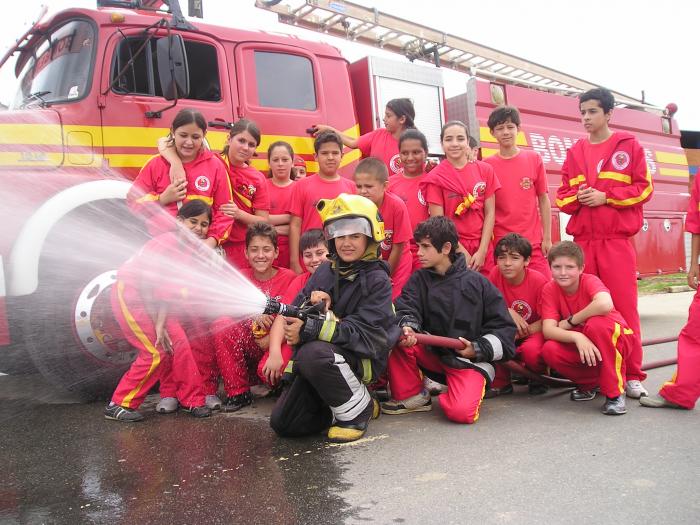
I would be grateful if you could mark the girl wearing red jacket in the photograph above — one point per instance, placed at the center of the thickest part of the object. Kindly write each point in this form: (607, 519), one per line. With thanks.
(145, 302)
(280, 156)
(191, 172)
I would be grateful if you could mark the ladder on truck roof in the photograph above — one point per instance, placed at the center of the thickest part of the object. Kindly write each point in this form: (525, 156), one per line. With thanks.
(418, 42)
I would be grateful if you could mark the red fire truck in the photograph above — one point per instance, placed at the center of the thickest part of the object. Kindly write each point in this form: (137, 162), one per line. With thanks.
(97, 88)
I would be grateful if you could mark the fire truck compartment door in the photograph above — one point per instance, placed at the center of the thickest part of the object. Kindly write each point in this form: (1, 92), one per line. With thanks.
(31, 139)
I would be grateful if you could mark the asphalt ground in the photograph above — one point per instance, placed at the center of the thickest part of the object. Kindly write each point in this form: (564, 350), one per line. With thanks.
(527, 460)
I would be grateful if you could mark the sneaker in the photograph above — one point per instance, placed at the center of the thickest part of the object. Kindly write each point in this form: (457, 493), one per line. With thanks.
(198, 412)
(381, 393)
(583, 395)
(213, 402)
(348, 431)
(235, 403)
(495, 392)
(614, 406)
(635, 389)
(657, 402)
(433, 387)
(421, 402)
(167, 405)
(119, 413)
(537, 389)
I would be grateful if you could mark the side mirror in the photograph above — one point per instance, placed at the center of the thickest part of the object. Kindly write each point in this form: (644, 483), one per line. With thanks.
(172, 67)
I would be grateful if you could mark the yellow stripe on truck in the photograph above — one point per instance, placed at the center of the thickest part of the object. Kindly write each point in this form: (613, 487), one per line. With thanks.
(674, 172)
(671, 158)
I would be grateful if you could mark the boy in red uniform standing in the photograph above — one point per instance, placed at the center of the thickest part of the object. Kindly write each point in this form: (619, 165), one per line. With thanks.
(683, 390)
(521, 287)
(523, 203)
(240, 346)
(327, 184)
(588, 341)
(605, 182)
(371, 179)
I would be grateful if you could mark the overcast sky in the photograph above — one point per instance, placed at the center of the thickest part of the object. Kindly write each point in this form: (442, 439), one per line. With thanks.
(626, 45)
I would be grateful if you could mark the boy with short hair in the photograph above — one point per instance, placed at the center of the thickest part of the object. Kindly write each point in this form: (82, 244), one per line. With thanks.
(605, 182)
(521, 287)
(240, 346)
(445, 298)
(371, 180)
(336, 356)
(523, 202)
(588, 341)
(327, 184)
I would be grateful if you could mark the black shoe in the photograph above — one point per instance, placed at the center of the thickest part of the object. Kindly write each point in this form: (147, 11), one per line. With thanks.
(381, 394)
(347, 431)
(583, 395)
(537, 389)
(119, 413)
(495, 392)
(614, 406)
(518, 380)
(235, 403)
(203, 411)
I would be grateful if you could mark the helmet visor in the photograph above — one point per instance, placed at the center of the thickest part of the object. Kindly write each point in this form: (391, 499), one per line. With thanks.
(347, 226)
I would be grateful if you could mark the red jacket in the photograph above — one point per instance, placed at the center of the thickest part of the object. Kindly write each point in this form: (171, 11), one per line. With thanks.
(206, 180)
(624, 178)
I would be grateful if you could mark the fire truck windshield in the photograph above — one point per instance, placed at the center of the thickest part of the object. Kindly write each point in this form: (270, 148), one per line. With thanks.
(60, 67)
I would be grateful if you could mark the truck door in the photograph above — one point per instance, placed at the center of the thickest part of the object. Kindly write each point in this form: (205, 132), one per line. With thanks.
(129, 136)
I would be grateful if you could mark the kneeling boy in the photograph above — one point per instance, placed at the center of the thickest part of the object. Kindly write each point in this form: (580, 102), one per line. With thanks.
(445, 298)
(588, 340)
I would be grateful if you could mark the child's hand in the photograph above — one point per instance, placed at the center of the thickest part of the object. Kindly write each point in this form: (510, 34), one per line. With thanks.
(468, 350)
(693, 275)
(318, 296)
(295, 267)
(163, 339)
(265, 321)
(409, 337)
(176, 191)
(177, 173)
(477, 260)
(523, 329)
(292, 329)
(589, 353)
(230, 210)
(273, 368)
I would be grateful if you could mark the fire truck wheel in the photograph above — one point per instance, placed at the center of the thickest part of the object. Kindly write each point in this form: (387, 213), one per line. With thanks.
(71, 334)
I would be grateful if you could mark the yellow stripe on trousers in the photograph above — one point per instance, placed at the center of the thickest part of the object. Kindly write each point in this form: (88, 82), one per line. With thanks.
(618, 358)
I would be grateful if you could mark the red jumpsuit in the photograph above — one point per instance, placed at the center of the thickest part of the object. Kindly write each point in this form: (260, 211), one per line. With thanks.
(408, 190)
(280, 197)
(382, 145)
(397, 229)
(237, 352)
(609, 333)
(684, 388)
(143, 284)
(207, 180)
(618, 168)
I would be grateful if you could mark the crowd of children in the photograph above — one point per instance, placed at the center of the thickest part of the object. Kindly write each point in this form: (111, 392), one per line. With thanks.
(462, 249)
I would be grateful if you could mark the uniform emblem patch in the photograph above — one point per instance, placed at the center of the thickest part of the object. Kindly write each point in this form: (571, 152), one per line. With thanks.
(526, 183)
(479, 189)
(395, 163)
(621, 159)
(523, 309)
(202, 183)
(386, 243)
(421, 199)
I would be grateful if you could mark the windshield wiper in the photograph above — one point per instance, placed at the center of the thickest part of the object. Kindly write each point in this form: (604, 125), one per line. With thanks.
(37, 95)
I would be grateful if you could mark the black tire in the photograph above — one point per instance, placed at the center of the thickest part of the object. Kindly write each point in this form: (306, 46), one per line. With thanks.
(89, 242)
(14, 359)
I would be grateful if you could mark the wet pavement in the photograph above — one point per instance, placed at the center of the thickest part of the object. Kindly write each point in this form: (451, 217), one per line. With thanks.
(527, 460)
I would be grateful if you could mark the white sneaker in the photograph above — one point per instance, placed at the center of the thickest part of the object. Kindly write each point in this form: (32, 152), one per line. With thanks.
(167, 405)
(213, 402)
(421, 402)
(433, 387)
(635, 389)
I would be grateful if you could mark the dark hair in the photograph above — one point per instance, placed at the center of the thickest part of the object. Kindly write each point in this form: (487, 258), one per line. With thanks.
(503, 114)
(281, 144)
(473, 143)
(374, 167)
(604, 97)
(194, 208)
(184, 117)
(513, 242)
(260, 229)
(566, 249)
(414, 134)
(311, 238)
(451, 123)
(327, 136)
(403, 107)
(438, 230)
(239, 127)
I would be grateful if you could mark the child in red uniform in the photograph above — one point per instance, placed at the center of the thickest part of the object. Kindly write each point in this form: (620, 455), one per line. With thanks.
(464, 191)
(446, 298)
(683, 390)
(279, 187)
(198, 175)
(521, 287)
(523, 203)
(413, 149)
(240, 346)
(383, 143)
(327, 184)
(314, 251)
(371, 179)
(605, 182)
(588, 341)
(145, 290)
(299, 168)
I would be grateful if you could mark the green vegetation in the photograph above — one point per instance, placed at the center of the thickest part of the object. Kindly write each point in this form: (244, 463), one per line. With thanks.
(660, 283)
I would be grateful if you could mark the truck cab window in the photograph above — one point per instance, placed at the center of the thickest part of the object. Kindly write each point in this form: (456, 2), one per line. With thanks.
(284, 81)
(141, 77)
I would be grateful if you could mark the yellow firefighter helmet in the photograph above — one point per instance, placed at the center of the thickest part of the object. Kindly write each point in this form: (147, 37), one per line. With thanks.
(348, 214)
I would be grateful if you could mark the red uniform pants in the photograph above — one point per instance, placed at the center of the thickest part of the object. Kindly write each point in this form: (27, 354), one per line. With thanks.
(684, 388)
(539, 262)
(237, 354)
(614, 261)
(282, 260)
(137, 325)
(528, 352)
(286, 356)
(465, 387)
(235, 254)
(613, 341)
